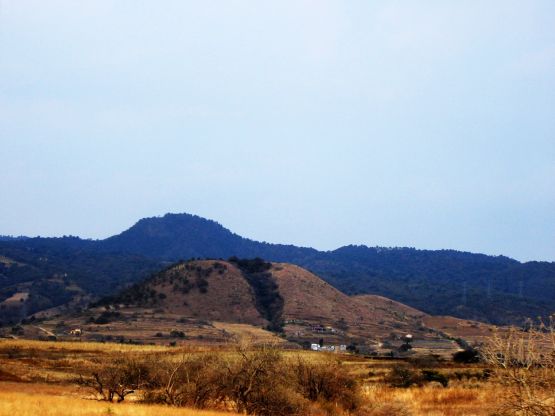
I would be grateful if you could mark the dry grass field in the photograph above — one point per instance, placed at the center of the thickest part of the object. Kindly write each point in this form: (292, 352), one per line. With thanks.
(22, 403)
(37, 377)
(31, 399)
(433, 401)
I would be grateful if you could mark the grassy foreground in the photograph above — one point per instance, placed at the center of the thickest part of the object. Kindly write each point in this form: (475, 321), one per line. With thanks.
(452, 401)
(456, 400)
(30, 404)
(36, 378)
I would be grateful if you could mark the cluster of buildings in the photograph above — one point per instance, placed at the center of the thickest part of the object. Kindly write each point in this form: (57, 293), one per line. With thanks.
(329, 348)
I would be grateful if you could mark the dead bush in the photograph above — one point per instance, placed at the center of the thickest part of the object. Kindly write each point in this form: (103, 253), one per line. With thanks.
(258, 383)
(193, 380)
(254, 382)
(281, 400)
(328, 382)
(524, 362)
(117, 378)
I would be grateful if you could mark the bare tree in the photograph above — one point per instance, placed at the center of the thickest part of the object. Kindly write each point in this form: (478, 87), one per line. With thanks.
(258, 382)
(252, 380)
(192, 380)
(118, 378)
(328, 381)
(525, 364)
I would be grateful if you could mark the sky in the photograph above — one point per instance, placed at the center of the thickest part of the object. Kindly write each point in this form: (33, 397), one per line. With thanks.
(427, 124)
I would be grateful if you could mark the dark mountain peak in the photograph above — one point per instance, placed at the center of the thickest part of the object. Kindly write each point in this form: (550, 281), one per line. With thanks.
(175, 236)
(177, 218)
(184, 236)
(175, 225)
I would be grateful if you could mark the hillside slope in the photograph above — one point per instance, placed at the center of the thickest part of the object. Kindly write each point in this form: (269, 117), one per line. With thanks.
(208, 290)
(277, 296)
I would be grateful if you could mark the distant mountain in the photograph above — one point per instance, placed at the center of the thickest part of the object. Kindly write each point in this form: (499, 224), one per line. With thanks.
(441, 282)
(183, 236)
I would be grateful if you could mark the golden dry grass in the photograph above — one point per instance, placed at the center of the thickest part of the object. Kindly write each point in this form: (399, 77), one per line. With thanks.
(49, 400)
(28, 404)
(438, 401)
(38, 381)
(78, 346)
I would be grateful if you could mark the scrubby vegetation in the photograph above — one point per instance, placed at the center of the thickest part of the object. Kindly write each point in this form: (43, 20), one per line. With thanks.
(117, 378)
(256, 382)
(524, 363)
(181, 276)
(148, 380)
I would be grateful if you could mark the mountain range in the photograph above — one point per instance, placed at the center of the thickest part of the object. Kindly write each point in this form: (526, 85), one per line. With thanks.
(55, 271)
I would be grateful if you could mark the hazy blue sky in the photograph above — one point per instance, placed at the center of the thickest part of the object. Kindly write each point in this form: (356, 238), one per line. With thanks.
(322, 123)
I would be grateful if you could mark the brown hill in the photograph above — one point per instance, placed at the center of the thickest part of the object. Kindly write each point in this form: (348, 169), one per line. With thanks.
(221, 301)
(310, 300)
(207, 290)
(309, 297)
(231, 292)
(272, 295)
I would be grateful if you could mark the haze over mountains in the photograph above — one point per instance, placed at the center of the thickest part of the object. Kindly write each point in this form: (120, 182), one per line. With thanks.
(440, 282)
